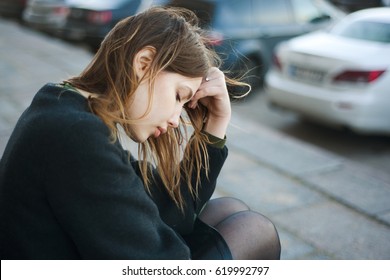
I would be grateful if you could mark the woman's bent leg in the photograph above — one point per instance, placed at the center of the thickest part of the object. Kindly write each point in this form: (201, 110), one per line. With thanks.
(248, 234)
(218, 209)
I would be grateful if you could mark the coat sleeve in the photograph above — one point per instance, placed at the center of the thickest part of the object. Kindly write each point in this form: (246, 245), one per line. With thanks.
(99, 200)
(183, 221)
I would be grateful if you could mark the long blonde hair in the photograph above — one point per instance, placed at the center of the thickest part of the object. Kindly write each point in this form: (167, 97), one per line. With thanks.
(181, 47)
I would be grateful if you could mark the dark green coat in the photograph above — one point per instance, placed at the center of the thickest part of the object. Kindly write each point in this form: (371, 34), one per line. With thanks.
(66, 192)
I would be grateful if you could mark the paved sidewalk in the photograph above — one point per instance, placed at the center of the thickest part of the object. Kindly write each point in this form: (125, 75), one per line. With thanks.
(325, 206)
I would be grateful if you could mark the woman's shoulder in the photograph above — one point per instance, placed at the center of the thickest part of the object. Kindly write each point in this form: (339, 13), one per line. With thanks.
(56, 114)
(57, 107)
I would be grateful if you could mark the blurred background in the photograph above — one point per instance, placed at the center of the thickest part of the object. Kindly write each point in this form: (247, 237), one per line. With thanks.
(320, 73)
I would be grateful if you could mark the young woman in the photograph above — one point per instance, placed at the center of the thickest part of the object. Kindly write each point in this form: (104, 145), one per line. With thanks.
(70, 191)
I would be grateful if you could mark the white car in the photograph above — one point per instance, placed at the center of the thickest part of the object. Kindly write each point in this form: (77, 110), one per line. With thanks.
(339, 76)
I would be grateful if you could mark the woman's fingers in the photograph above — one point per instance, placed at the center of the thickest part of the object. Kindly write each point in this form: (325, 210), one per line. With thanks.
(213, 86)
(213, 94)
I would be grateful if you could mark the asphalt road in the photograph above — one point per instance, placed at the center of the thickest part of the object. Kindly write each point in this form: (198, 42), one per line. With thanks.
(372, 150)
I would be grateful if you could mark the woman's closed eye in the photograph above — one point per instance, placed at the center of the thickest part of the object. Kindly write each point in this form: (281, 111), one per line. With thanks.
(183, 98)
(184, 94)
(178, 97)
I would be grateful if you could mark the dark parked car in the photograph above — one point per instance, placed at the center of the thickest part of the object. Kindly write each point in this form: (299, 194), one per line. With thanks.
(91, 20)
(46, 15)
(12, 8)
(80, 20)
(245, 32)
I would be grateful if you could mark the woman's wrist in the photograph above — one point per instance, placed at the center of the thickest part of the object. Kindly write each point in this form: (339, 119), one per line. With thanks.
(215, 141)
(216, 126)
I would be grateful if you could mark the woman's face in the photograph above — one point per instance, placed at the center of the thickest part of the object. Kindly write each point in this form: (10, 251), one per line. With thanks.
(171, 92)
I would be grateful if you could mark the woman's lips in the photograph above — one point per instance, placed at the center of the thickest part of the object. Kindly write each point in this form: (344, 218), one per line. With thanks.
(159, 131)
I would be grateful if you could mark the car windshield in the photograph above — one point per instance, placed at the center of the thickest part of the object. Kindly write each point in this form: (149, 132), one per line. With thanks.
(229, 13)
(233, 14)
(203, 9)
(364, 30)
(97, 4)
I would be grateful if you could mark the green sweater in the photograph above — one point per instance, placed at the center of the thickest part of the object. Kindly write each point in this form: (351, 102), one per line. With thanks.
(67, 192)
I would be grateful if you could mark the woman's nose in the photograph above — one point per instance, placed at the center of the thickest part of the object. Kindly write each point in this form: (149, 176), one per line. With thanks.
(175, 119)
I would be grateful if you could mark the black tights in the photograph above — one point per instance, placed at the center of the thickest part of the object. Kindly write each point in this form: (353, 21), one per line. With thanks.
(249, 235)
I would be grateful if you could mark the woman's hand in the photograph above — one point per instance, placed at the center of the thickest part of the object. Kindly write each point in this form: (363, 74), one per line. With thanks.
(213, 94)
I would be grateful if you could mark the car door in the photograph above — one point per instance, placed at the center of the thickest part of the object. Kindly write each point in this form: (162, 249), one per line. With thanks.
(273, 22)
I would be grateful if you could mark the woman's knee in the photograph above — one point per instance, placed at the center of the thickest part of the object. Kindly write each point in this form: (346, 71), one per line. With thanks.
(268, 235)
(229, 204)
(251, 235)
(216, 210)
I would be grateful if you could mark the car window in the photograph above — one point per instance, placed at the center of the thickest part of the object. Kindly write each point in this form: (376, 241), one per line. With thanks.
(364, 30)
(203, 9)
(224, 14)
(233, 13)
(306, 11)
(98, 3)
(271, 12)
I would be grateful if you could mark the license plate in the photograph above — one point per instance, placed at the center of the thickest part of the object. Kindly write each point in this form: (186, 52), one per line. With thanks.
(305, 74)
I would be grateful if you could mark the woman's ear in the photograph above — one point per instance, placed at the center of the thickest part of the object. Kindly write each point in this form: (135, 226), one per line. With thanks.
(142, 61)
